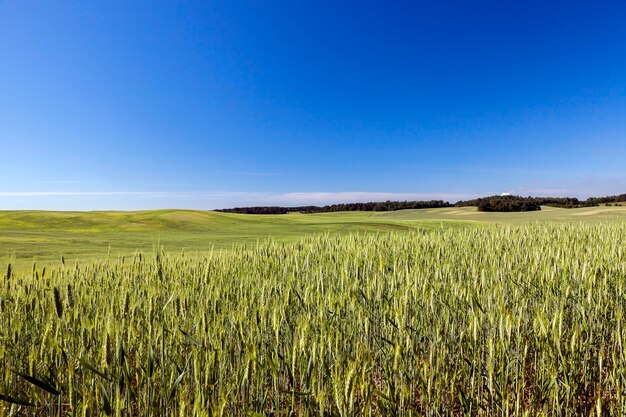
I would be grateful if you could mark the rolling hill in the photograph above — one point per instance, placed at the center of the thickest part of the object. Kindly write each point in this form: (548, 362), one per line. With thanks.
(28, 236)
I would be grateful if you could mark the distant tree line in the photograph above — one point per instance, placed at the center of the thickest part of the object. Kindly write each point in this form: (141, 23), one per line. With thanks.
(266, 210)
(518, 203)
(371, 206)
(504, 203)
(621, 198)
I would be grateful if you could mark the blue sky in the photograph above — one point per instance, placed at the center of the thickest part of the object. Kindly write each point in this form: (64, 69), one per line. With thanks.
(148, 104)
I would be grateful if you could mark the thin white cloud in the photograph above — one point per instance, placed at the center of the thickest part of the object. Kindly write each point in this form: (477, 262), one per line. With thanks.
(212, 199)
(120, 193)
(359, 197)
(65, 193)
(139, 200)
(136, 200)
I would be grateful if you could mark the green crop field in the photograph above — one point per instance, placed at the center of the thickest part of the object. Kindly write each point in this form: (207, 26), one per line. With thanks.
(407, 313)
(27, 236)
(524, 320)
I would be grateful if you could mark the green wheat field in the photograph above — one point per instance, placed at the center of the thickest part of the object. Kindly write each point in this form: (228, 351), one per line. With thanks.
(430, 312)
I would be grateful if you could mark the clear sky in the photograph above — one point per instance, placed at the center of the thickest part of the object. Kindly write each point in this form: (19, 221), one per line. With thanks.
(208, 104)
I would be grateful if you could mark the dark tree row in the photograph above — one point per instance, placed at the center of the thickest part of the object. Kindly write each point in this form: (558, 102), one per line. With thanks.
(267, 210)
(492, 203)
(371, 206)
(524, 203)
(609, 199)
(504, 204)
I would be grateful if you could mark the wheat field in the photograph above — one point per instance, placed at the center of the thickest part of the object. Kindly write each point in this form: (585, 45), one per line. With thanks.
(493, 321)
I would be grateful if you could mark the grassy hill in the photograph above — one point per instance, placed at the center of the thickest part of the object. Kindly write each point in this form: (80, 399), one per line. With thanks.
(27, 236)
(41, 235)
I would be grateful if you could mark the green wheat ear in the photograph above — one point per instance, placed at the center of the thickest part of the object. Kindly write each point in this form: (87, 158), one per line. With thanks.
(58, 304)
(70, 295)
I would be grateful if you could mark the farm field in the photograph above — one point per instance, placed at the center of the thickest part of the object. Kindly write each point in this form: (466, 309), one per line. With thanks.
(27, 236)
(547, 214)
(525, 320)
(39, 236)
